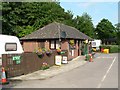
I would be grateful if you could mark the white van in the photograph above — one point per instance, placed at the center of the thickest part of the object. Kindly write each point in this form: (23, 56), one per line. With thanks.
(9, 45)
(96, 44)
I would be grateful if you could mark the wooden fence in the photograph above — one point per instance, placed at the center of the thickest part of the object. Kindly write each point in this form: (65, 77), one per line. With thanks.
(21, 64)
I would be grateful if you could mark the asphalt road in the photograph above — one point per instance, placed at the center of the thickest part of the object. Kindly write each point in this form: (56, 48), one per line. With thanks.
(102, 73)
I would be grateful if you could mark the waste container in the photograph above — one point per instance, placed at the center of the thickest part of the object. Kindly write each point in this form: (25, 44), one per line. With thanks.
(106, 51)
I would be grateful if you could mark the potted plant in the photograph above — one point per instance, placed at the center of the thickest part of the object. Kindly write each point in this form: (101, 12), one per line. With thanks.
(72, 44)
(45, 66)
(39, 52)
(48, 52)
(59, 51)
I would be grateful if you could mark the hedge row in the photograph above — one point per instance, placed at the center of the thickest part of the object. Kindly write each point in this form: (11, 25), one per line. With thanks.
(112, 48)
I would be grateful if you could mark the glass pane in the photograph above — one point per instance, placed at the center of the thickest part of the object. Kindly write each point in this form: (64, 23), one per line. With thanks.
(11, 47)
(52, 45)
(57, 44)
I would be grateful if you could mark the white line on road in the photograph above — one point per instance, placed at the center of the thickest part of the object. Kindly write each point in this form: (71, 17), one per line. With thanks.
(105, 57)
(106, 73)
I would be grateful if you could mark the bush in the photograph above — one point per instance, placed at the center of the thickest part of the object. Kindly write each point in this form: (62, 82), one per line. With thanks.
(112, 48)
(87, 58)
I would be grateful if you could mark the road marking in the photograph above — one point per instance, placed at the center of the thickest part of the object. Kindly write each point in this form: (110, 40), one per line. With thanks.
(105, 57)
(106, 73)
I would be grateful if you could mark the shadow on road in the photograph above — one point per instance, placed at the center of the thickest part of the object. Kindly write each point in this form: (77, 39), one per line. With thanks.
(11, 84)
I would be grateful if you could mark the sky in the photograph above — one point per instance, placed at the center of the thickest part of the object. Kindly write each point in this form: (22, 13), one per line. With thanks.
(97, 9)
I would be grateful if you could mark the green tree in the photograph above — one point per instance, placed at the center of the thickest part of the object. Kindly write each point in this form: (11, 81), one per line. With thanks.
(19, 16)
(105, 30)
(84, 24)
(117, 28)
(22, 18)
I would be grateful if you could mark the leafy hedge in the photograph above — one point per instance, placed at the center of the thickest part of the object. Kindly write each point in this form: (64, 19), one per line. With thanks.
(112, 48)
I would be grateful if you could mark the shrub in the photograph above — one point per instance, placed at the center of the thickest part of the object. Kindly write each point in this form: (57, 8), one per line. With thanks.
(114, 49)
(87, 57)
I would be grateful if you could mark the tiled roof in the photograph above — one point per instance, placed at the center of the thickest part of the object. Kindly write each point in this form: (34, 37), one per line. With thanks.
(53, 30)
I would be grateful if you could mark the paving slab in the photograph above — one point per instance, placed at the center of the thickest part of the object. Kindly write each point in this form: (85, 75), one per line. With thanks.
(54, 70)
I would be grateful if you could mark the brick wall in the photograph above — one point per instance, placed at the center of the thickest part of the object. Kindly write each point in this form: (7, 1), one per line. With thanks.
(29, 46)
(47, 44)
(64, 45)
(76, 50)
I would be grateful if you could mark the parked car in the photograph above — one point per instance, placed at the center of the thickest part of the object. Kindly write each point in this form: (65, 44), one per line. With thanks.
(9, 45)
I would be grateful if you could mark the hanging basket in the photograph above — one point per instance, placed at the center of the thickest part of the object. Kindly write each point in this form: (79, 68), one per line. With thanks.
(48, 53)
(40, 55)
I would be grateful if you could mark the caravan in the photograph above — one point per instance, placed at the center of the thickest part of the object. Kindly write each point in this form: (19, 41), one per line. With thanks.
(9, 45)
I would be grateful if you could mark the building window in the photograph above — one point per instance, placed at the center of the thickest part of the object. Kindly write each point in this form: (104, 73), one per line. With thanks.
(52, 44)
(57, 44)
(11, 47)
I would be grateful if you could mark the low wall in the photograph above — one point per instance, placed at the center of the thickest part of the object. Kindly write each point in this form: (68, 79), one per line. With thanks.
(21, 64)
(28, 63)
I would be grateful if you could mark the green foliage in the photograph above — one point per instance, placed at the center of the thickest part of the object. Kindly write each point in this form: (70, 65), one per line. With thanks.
(105, 30)
(87, 57)
(22, 18)
(112, 48)
(84, 24)
(22, 31)
(45, 66)
(117, 28)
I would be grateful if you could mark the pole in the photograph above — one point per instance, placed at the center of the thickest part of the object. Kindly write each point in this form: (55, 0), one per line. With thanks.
(59, 34)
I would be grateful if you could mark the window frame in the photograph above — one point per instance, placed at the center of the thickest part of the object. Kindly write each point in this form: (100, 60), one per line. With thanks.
(54, 42)
(13, 49)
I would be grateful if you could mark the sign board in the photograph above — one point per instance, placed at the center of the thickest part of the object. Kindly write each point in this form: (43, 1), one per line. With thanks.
(18, 62)
(16, 58)
(64, 59)
(58, 59)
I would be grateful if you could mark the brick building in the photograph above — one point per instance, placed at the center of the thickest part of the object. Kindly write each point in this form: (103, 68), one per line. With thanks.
(54, 36)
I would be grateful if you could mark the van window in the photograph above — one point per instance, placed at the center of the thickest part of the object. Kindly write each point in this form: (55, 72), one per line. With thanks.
(94, 44)
(10, 46)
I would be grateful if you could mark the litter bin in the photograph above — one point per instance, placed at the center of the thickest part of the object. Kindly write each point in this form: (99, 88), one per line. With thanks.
(106, 51)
